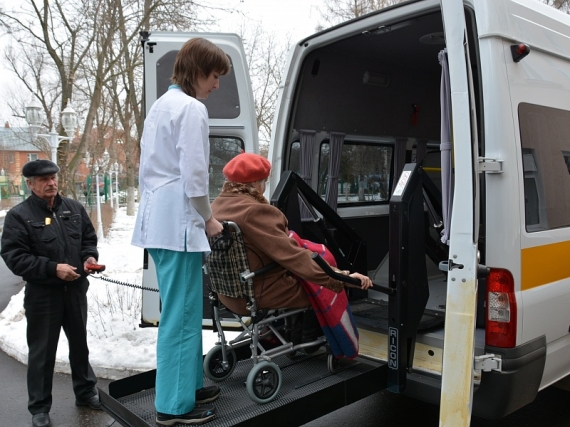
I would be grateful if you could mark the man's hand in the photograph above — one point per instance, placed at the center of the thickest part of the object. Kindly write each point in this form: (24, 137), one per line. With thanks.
(213, 227)
(66, 272)
(87, 262)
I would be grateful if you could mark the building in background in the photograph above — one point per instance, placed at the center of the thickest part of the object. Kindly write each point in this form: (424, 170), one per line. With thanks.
(16, 149)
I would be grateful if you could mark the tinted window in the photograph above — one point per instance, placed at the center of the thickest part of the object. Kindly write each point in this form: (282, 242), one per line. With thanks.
(364, 175)
(545, 139)
(222, 150)
(222, 103)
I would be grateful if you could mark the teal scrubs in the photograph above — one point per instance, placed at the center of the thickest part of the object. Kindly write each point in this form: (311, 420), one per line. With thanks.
(179, 346)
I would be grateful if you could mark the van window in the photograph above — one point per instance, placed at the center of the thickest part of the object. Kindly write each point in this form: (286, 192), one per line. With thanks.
(222, 104)
(222, 150)
(545, 140)
(364, 176)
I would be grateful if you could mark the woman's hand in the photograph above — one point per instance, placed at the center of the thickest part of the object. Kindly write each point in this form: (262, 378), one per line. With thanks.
(213, 227)
(365, 281)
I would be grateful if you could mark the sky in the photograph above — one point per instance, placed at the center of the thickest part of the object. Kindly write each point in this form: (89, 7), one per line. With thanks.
(294, 18)
(117, 346)
(297, 18)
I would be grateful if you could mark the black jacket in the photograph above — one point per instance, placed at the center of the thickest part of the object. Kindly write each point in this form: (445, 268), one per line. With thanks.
(35, 239)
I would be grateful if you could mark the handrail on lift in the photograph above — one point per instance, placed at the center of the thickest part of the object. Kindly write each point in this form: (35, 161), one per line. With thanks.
(350, 281)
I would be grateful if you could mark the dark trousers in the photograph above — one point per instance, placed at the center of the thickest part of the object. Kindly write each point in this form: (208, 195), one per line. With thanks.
(48, 310)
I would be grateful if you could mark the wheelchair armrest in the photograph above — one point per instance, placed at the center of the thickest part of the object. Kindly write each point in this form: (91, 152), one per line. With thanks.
(244, 277)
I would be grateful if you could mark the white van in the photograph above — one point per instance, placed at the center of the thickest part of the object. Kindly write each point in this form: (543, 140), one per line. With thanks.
(429, 145)
(233, 127)
(365, 113)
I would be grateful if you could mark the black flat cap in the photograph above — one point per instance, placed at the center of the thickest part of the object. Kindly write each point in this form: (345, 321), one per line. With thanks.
(39, 167)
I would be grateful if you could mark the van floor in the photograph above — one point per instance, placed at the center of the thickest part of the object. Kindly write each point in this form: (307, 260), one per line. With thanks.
(372, 312)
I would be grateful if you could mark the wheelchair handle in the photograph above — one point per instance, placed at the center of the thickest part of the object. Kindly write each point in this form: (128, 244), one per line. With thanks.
(230, 224)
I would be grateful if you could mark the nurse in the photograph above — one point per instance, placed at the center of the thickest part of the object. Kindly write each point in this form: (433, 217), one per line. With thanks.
(173, 222)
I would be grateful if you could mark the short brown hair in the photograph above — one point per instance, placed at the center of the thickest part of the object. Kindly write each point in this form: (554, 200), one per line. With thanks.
(198, 58)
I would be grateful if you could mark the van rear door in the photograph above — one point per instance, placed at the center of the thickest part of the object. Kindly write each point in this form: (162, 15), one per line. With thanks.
(231, 109)
(458, 353)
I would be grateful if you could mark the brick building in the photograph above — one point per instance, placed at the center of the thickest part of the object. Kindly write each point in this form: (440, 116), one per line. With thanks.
(15, 150)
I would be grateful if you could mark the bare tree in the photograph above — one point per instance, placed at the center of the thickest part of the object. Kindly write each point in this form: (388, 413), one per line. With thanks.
(265, 58)
(63, 33)
(88, 53)
(563, 5)
(125, 86)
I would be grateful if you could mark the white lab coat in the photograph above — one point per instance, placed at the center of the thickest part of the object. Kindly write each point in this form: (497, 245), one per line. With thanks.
(175, 153)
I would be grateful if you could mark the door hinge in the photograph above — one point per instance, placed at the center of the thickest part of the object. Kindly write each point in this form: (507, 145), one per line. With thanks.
(488, 362)
(490, 165)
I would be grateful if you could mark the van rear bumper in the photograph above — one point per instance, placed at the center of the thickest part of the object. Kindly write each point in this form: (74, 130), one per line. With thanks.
(499, 393)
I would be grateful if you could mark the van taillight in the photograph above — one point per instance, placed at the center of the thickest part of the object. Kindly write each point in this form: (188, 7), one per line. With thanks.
(501, 309)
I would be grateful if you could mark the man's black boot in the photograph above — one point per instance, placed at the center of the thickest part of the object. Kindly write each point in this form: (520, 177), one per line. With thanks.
(41, 420)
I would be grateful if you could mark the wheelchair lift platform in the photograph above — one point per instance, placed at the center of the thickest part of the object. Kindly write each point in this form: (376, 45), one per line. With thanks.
(308, 391)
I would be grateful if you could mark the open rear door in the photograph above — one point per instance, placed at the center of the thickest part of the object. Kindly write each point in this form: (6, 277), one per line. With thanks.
(231, 109)
(458, 353)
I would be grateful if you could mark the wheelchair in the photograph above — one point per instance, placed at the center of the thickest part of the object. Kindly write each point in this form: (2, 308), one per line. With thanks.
(264, 331)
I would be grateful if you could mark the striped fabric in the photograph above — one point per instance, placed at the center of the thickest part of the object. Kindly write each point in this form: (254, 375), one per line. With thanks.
(332, 309)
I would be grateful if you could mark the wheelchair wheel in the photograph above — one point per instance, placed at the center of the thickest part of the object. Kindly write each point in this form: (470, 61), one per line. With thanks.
(263, 382)
(213, 363)
(332, 363)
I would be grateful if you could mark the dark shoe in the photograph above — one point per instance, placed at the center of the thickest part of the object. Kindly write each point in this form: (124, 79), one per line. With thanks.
(311, 327)
(296, 321)
(311, 331)
(41, 420)
(93, 402)
(207, 394)
(199, 415)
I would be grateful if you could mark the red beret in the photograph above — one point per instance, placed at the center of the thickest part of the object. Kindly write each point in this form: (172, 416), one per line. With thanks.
(247, 167)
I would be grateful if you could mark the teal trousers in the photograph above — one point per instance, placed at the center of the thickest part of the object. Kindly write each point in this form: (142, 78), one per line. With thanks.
(179, 345)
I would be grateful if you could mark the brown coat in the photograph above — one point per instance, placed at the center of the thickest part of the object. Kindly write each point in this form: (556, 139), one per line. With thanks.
(265, 233)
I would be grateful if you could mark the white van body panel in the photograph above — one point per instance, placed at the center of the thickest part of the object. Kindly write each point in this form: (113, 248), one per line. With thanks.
(238, 122)
(542, 78)
(524, 21)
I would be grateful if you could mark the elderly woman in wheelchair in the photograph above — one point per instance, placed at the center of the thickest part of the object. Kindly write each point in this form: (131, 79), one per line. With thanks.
(259, 269)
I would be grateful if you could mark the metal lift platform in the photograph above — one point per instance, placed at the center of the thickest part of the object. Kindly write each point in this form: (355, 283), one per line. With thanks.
(308, 391)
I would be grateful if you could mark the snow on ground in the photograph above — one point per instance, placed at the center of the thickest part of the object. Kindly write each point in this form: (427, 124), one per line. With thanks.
(118, 347)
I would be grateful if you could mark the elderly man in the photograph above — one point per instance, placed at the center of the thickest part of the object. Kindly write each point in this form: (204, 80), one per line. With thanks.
(49, 240)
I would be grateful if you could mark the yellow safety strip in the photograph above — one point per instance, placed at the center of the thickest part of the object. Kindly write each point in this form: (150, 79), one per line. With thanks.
(544, 264)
